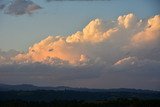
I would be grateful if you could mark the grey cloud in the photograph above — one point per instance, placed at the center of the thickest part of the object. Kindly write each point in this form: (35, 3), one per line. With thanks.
(9, 53)
(5, 56)
(139, 78)
(20, 7)
(76, 0)
(46, 74)
(93, 76)
(3, 4)
(134, 64)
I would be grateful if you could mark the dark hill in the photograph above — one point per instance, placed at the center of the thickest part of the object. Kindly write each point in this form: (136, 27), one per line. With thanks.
(34, 93)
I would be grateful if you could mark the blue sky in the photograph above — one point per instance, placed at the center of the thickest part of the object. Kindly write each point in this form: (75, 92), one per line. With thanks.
(65, 18)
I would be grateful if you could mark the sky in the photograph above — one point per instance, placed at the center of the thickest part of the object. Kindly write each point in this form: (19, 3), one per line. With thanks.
(93, 44)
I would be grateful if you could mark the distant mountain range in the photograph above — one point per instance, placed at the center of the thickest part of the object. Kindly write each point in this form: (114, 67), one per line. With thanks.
(29, 87)
(29, 92)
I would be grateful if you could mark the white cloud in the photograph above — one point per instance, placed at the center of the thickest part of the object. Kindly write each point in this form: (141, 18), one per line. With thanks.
(126, 44)
(126, 61)
(106, 41)
(127, 20)
(95, 31)
(150, 35)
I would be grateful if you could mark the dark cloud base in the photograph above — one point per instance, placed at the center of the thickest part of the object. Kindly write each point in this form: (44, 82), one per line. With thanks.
(94, 76)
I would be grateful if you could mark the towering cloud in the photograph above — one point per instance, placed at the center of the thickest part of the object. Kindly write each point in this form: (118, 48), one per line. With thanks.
(127, 20)
(99, 39)
(151, 33)
(102, 47)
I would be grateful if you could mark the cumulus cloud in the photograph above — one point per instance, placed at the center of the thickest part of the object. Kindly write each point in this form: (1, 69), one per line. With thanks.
(98, 40)
(94, 32)
(101, 48)
(150, 34)
(20, 7)
(127, 20)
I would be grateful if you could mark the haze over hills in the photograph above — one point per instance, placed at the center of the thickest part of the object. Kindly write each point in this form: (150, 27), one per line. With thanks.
(30, 87)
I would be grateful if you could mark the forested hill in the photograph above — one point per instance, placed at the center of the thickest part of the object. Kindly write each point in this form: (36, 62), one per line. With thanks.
(34, 93)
